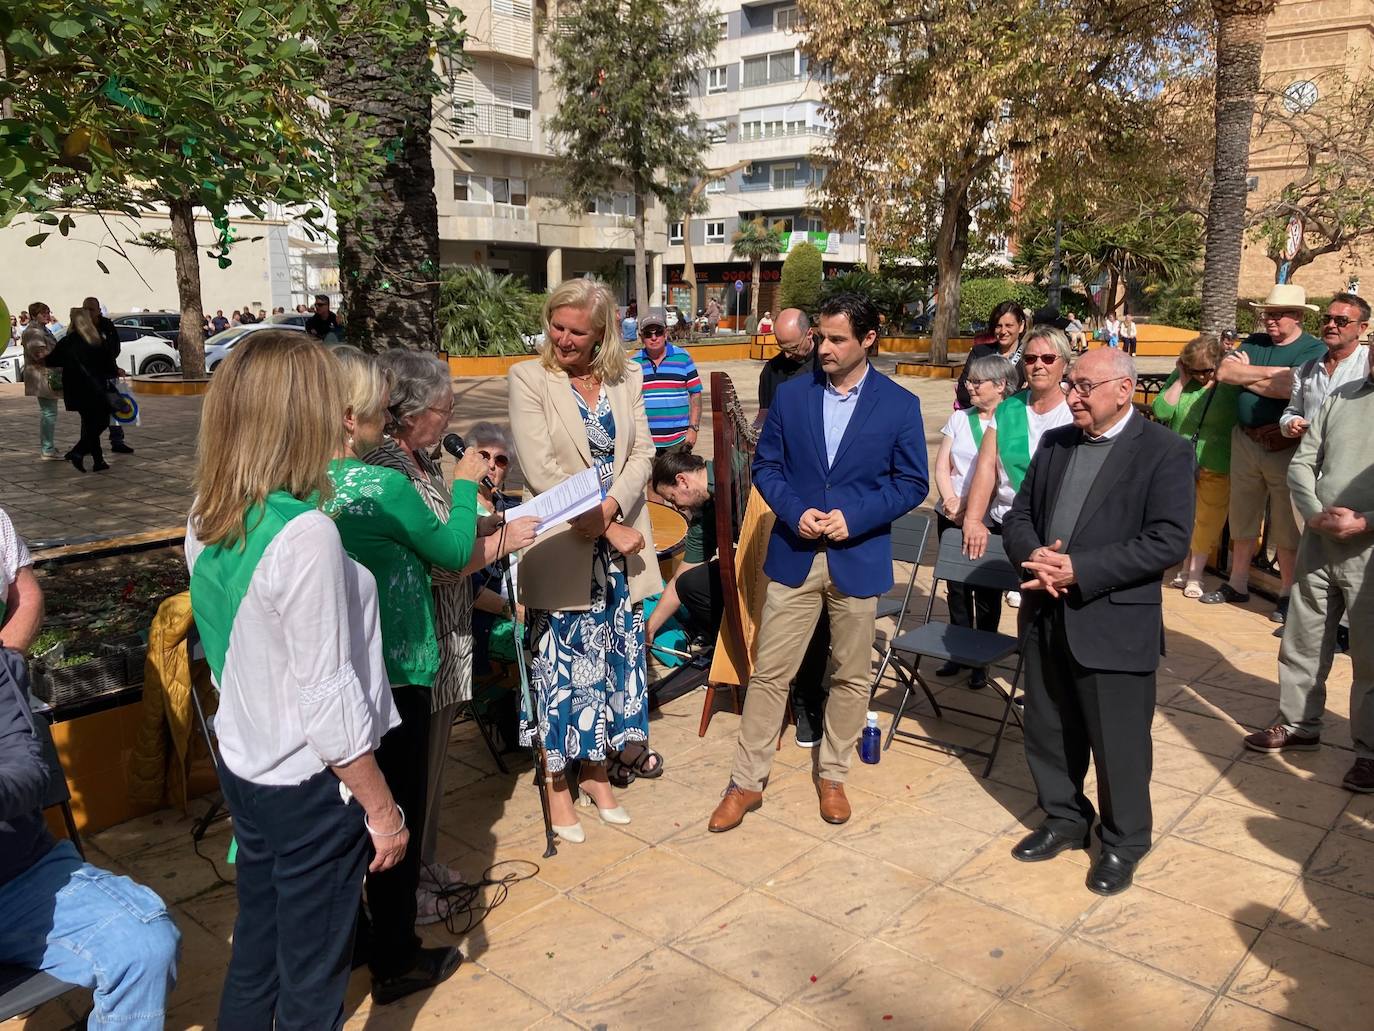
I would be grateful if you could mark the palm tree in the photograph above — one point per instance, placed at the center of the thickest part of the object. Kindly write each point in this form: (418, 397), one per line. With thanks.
(1240, 48)
(756, 241)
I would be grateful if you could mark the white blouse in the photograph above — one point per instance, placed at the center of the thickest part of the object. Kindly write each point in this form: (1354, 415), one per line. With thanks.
(304, 685)
(963, 451)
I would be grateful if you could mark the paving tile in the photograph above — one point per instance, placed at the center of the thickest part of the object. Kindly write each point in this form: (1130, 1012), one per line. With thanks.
(1246, 709)
(1090, 988)
(752, 852)
(470, 990)
(1229, 1015)
(1174, 936)
(791, 799)
(1280, 793)
(898, 774)
(913, 839)
(1250, 834)
(661, 807)
(766, 945)
(1327, 765)
(876, 986)
(787, 1018)
(1210, 734)
(658, 893)
(849, 889)
(984, 805)
(560, 951)
(666, 989)
(977, 941)
(604, 848)
(1292, 979)
(1329, 918)
(1009, 1016)
(1343, 861)
(1238, 889)
(1186, 768)
(1050, 893)
(1358, 818)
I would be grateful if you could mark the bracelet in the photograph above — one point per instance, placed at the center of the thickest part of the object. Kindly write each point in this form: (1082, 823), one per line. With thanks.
(378, 834)
(694, 429)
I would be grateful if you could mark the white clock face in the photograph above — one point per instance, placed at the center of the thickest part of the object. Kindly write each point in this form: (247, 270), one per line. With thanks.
(1300, 96)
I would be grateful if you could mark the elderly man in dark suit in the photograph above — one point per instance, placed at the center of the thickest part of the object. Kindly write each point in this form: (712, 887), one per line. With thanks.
(1105, 509)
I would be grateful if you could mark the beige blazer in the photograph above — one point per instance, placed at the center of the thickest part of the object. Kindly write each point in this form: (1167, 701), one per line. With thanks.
(551, 443)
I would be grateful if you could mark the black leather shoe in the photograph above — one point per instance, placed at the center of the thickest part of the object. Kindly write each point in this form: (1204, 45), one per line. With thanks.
(122, 448)
(432, 967)
(949, 669)
(978, 679)
(1043, 843)
(1111, 874)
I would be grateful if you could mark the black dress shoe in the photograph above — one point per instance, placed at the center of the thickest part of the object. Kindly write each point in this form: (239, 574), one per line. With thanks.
(949, 669)
(1043, 843)
(122, 448)
(76, 460)
(432, 967)
(1111, 874)
(978, 679)
(100, 465)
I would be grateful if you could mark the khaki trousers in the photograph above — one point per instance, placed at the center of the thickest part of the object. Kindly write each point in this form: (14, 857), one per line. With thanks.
(789, 619)
(1329, 583)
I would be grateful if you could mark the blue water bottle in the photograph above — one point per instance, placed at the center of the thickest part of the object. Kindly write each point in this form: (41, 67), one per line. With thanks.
(871, 744)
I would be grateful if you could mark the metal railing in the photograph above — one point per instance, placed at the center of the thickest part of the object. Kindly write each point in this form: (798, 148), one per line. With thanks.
(512, 123)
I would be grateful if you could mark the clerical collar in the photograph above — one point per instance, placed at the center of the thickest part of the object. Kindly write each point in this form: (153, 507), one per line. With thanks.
(1112, 433)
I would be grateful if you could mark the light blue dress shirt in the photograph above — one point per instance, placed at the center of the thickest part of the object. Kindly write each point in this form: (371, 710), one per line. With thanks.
(836, 411)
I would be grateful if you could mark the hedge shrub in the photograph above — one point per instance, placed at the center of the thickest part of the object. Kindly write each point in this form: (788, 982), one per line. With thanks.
(801, 278)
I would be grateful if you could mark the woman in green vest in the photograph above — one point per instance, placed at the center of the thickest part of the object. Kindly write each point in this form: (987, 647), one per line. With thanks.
(1194, 405)
(290, 629)
(1018, 424)
(388, 528)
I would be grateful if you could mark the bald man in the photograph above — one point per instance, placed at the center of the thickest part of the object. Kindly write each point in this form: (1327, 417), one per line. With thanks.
(1106, 507)
(797, 353)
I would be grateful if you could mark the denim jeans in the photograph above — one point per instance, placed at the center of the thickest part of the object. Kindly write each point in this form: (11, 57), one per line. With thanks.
(47, 424)
(92, 928)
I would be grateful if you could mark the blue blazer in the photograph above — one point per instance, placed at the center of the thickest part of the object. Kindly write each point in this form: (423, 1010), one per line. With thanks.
(879, 474)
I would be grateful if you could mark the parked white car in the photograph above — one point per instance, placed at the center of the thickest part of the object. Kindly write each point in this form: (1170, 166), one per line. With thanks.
(146, 355)
(12, 364)
(218, 347)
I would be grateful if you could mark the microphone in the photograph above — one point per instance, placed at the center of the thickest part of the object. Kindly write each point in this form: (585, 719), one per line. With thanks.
(455, 446)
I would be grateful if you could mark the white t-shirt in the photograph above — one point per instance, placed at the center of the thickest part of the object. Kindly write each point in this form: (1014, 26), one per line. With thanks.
(963, 452)
(14, 556)
(1037, 425)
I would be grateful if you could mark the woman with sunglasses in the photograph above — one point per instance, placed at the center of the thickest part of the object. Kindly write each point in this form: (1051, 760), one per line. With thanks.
(421, 405)
(1007, 324)
(1018, 424)
(1193, 405)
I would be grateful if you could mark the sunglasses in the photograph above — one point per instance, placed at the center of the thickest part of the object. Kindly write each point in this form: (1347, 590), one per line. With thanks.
(1046, 359)
(502, 461)
(653, 331)
(1200, 372)
(1274, 316)
(1341, 321)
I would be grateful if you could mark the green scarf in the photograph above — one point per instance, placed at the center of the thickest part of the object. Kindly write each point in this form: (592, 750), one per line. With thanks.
(975, 422)
(223, 574)
(1013, 437)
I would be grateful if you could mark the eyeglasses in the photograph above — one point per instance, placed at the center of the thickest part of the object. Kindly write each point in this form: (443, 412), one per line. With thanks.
(1274, 316)
(1200, 372)
(1084, 387)
(653, 331)
(1341, 321)
(1045, 359)
(445, 410)
(502, 461)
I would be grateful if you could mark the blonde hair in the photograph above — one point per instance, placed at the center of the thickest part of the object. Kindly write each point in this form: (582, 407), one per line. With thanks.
(364, 382)
(272, 421)
(609, 358)
(84, 326)
(1206, 346)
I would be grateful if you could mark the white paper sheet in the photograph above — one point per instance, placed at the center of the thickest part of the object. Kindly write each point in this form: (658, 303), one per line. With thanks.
(572, 497)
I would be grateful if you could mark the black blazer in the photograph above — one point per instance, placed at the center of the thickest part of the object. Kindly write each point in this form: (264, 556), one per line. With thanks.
(1136, 523)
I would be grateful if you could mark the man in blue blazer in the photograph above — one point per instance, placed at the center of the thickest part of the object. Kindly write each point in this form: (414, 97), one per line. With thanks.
(842, 454)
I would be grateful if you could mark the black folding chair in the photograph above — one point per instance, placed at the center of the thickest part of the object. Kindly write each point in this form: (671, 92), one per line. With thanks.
(909, 536)
(975, 649)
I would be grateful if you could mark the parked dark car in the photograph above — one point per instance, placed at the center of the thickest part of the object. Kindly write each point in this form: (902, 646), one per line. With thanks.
(166, 324)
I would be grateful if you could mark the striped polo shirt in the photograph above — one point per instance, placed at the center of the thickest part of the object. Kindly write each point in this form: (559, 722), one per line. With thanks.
(666, 392)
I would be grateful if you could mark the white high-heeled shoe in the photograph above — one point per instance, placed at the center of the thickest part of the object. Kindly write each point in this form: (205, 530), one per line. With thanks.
(617, 816)
(573, 835)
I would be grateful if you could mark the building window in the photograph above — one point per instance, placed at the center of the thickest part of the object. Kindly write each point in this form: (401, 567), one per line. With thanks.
(715, 232)
(718, 130)
(509, 191)
(786, 19)
(818, 173)
(716, 186)
(786, 177)
(766, 68)
(812, 224)
(783, 223)
(723, 28)
(675, 233)
(1252, 184)
(616, 204)
(717, 79)
(460, 186)
(512, 8)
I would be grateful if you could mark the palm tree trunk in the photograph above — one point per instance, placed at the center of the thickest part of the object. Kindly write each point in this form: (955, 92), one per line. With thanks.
(951, 248)
(689, 269)
(1240, 47)
(389, 250)
(191, 337)
(755, 274)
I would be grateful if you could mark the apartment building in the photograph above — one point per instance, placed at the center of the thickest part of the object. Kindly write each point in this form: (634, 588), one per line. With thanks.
(498, 201)
(762, 103)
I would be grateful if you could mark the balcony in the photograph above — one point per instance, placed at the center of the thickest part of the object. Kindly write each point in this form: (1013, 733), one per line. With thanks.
(498, 127)
(501, 30)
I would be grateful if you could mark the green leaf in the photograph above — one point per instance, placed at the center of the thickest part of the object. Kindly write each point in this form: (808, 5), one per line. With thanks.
(36, 239)
(66, 28)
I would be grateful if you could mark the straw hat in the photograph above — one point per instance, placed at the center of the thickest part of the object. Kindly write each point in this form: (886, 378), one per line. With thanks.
(1284, 295)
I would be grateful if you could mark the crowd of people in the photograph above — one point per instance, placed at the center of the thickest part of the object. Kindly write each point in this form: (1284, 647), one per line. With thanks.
(346, 584)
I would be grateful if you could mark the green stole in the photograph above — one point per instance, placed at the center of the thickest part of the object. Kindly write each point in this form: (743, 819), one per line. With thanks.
(1013, 437)
(223, 574)
(975, 422)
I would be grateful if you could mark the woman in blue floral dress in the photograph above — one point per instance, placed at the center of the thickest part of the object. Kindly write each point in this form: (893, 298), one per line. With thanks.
(582, 407)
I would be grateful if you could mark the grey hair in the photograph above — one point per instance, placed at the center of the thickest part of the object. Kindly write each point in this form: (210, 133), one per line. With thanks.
(993, 367)
(418, 381)
(1122, 364)
(1055, 336)
(488, 433)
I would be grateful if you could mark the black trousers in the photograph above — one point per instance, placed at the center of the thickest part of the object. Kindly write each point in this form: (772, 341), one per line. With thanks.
(389, 934)
(93, 424)
(1074, 713)
(699, 591)
(302, 854)
(976, 607)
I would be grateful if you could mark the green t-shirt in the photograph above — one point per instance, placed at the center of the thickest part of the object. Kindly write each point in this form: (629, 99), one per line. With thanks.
(701, 531)
(1253, 410)
(386, 527)
(1217, 410)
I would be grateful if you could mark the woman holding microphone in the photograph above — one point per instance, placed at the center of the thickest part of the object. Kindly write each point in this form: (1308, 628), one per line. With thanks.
(581, 406)
(290, 629)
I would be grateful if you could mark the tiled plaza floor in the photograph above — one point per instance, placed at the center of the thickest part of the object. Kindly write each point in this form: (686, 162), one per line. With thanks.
(1255, 909)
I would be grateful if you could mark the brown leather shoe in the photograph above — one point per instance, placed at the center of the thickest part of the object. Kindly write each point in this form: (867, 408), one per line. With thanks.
(1279, 738)
(733, 805)
(834, 804)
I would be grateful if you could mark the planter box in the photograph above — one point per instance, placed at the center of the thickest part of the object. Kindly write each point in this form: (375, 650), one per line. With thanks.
(927, 370)
(60, 685)
(171, 384)
(131, 652)
(486, 364)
